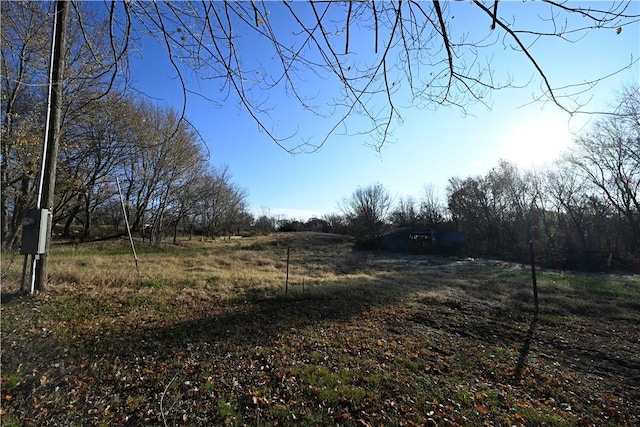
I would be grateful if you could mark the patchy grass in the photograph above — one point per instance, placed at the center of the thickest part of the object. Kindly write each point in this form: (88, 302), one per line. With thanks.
(206, 335)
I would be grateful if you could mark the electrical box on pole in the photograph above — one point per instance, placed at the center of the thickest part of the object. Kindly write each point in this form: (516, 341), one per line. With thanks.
(34, 232)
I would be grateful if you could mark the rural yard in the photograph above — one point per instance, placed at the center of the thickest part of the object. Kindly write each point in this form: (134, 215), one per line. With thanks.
(217, 333)
(320, 213)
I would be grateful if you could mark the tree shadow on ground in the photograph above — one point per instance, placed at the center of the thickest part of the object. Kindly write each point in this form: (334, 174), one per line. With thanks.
(120, 360)
(255, 317)
(8, 297)
(221, 344)
(589, 342)
(525, 349)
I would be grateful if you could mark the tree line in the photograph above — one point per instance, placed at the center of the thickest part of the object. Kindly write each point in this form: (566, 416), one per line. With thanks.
(583, 211)
(586, 204)
(114, 144)
(124, 150)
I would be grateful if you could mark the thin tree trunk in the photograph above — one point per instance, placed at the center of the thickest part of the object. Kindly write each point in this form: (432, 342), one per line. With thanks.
(175, 233)
(4, 205)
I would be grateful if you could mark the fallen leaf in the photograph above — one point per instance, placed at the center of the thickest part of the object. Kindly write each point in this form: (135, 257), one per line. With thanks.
(482, 410)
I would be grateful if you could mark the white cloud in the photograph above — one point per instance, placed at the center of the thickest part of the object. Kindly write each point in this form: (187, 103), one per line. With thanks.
(476, 164)
(289, 213)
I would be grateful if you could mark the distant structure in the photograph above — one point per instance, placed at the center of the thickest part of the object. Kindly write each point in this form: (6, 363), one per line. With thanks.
(421, 240)
(316, 224)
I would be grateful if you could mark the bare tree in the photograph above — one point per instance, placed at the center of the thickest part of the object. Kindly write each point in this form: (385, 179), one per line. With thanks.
(373, 55)
(405, 213)
(496, 211)
(366, 212)
(24, 52)
(160, 151)
(91, 61)
(608, 157)
(184, 198)
(416, 55)
(432, 210)
(471, 210)
(222, 208)
(582, 211)
(264, 224)
(94, 146)
(566, 192)
(337, 223)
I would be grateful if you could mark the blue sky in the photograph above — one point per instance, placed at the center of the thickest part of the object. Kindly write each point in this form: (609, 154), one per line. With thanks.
(429, 146)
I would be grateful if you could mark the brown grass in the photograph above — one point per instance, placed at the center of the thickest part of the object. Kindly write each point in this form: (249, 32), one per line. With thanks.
(206, 335)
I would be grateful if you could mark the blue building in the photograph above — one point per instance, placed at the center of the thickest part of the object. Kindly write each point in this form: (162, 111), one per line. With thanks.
(421, 240)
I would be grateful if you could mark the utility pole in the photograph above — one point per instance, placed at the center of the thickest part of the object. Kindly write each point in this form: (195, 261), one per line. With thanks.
(52, 136)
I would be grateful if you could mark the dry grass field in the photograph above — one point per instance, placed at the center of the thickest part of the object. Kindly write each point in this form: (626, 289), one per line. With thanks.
(209, 334)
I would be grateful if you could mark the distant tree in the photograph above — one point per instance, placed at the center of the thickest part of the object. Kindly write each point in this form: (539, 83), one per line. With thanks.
(317, 224)
(234, 209)
(289, 225)
(520, 202)
(155, 162)
(264, 225)
(245, 221)
(94, 145)
(469, 207)
(607, 156)
(337, 223)
(183, 200)
(433, 211)
(405, 213)
(222, 208)
(496, 211)
(366, 213)
(567, 209)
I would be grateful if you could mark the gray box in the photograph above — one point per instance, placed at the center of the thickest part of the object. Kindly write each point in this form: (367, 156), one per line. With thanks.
(34, 232)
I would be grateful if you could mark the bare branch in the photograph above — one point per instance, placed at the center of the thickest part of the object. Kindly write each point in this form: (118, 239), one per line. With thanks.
(424, 56)
(495, 14)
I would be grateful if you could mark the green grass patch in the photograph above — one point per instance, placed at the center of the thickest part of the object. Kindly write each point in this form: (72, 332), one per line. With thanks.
(156, 282)
(542, 416)
(592, 286)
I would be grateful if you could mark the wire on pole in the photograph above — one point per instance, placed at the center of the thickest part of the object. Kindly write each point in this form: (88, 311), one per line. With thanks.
(533, 276)
(286, 283)
(126, 221)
